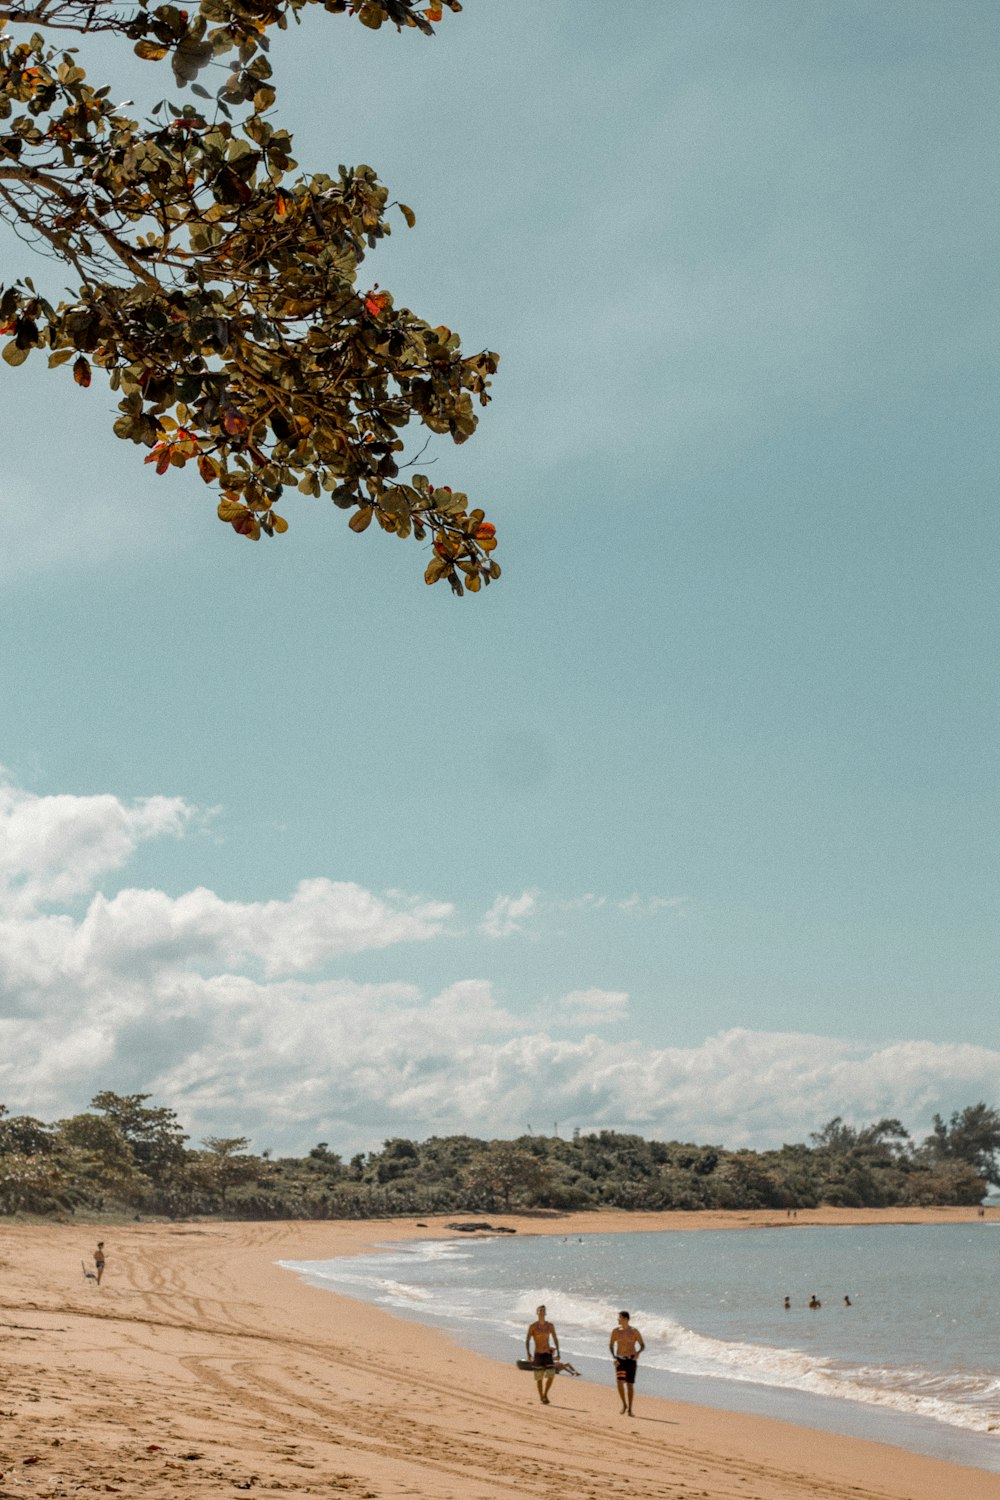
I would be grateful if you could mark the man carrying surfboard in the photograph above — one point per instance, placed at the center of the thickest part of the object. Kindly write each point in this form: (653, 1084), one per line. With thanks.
(546, 1341)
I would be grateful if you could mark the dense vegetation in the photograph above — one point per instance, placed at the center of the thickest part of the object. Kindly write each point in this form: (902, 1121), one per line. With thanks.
(127, 1156)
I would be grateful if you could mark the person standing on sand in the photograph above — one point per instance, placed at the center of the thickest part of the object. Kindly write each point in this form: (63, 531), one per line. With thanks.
(546, 1341)
(626, 1344)
(99, 1260)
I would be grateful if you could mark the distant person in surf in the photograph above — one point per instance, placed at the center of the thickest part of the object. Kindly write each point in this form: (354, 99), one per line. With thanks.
(788, 1303)
(99, 1261)
(626, 1344)
(543, 1335)
(848, 1302)
(814, 1302)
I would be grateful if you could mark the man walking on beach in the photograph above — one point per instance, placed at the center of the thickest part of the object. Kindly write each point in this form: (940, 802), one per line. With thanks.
(626, 1345)
(546, 1341)
(99, 1260)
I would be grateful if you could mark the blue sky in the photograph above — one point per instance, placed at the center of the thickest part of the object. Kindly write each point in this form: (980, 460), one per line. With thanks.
(719, 748)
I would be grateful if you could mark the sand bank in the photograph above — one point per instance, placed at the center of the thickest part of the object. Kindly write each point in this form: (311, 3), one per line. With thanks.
(199, 1368)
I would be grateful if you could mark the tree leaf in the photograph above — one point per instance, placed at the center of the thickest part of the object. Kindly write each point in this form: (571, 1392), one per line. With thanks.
(13, 355)
(361, 519)
(151, 51)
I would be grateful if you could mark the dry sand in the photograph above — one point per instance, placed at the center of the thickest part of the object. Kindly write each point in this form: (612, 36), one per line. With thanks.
(199, 1368)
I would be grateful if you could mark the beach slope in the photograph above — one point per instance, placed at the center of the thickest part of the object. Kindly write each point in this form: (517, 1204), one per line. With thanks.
(200, 1368)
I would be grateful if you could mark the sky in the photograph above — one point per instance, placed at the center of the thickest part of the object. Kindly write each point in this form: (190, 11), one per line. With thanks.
(689, 824)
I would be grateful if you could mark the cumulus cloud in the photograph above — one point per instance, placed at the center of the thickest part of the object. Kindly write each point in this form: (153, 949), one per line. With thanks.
(56, 848)
(591, 1007)
(223, 1010)
(292, 1061)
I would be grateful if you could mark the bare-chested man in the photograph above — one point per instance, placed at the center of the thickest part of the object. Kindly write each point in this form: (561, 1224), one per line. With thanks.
(99, 1261)
(626, 1345)
(546, 1341)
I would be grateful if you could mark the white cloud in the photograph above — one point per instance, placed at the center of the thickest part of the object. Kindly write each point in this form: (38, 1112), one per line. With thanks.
(56, 848)
(590, 1007)
(511, 914)
(508, 914)
(217, 1008)
(648, 906)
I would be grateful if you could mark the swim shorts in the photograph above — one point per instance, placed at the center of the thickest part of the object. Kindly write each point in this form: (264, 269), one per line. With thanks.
(543, 1361)
(625, 1370)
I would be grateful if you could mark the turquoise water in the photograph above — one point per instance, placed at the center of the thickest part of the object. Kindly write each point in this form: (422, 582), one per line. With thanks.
(915, 1360)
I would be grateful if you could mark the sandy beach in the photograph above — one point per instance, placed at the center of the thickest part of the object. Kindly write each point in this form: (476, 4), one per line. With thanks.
(199, 1367)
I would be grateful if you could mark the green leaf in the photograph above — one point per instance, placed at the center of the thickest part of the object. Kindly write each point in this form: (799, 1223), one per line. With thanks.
(151, 51)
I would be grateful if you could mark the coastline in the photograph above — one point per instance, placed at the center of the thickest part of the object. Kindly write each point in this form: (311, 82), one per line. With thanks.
(199, 1343)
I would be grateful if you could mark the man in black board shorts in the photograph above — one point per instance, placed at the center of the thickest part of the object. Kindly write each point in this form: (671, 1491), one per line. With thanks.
(626, 1345)
(546, 1341)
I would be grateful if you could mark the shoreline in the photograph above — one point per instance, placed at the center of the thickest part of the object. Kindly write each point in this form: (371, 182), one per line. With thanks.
(199, 1343)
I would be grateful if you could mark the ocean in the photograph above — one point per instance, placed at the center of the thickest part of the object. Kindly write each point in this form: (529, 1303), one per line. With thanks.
(914, 1361)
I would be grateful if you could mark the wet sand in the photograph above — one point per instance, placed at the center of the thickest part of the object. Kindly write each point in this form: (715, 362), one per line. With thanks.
(200, 1368)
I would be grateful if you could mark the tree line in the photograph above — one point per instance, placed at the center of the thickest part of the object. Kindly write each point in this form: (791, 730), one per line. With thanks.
(126, 1155)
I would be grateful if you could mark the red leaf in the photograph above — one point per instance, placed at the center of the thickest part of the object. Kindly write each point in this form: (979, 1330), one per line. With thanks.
(81, 371)
(163, 462)
(233, 423)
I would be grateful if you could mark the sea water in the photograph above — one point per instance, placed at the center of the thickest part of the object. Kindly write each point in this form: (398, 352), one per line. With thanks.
(914, 1360)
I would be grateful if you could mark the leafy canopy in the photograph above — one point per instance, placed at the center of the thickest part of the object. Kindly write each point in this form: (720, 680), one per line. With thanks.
(217, 290)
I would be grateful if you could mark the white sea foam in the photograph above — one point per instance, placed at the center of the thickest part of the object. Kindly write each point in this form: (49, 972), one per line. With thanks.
(680, 1350)
(444, 1280)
